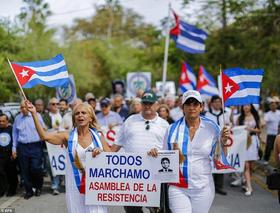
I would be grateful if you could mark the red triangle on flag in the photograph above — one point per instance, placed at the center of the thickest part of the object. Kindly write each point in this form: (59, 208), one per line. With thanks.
(22, 73)
(202, 81)
(184, 78)
(175, 31)
(229, 87)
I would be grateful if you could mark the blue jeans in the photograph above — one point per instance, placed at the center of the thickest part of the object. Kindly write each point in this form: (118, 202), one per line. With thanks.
(56, 182)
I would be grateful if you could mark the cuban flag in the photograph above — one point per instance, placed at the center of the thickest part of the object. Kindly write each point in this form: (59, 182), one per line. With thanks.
(206, 84)
(51, 73)
(241, 86)
(187, 37)
(187, 79)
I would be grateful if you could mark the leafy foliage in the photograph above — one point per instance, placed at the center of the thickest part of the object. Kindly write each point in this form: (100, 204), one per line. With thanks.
(115, 40)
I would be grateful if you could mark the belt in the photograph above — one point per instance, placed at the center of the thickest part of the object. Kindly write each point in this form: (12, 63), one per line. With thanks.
(29, 143)
(6, 148)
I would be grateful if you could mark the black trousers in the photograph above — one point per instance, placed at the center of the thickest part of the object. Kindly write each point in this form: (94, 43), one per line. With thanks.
(30, 160)
(219, 181)
(8, 173)
(269, 146)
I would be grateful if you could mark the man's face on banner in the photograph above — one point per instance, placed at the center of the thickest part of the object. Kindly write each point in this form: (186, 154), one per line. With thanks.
(165, 164)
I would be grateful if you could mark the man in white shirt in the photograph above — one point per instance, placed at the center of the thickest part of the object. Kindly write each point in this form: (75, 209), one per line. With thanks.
(177, 112)
(55, 123)
(66, 123)
(142, 132)
(272, 120)
(215, 114)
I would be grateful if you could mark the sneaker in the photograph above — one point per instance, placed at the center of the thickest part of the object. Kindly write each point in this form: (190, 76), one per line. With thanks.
(248, 192)
(55, 192)
(237, 182)
(265, 162)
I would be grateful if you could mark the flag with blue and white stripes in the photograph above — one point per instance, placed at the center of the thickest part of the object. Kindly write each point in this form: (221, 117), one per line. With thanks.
(188, 37)
(51, 73)
(187, 79)
(241, 86)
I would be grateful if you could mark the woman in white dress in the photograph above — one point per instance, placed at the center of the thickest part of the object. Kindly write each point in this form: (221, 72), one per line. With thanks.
(250, 118)
(84, 137)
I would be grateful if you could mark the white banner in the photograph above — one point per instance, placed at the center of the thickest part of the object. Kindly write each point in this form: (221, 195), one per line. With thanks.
(137, 81)
(110, 135)
(67, 91)
(236, 150)
(169, 88)
(57, 156)
(123, 179)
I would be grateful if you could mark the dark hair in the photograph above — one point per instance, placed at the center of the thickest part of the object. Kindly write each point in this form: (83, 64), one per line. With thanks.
(61, 100)
(215, 97)
(254, 112)
(4, 115)
(165, 107)
(164, 159)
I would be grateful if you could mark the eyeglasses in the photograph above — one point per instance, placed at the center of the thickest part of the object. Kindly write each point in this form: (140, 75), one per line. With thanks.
(147, 125)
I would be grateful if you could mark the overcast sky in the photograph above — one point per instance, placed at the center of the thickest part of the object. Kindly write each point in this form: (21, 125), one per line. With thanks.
(65, 11)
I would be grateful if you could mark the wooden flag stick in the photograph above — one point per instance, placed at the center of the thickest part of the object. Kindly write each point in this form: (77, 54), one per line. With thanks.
(22, 92)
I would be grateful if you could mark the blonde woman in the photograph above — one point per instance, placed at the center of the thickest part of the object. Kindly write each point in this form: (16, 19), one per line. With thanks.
(83, 137)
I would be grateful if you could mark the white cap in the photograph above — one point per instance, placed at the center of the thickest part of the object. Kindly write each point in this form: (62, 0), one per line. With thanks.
(191, 94)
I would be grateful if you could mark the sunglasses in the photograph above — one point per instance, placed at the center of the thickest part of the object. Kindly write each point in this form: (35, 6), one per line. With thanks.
(53, 104)
(147, 125)
(104, 106)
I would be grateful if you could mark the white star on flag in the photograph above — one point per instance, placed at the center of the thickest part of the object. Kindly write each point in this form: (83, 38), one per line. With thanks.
(228, 88)
(24, 73)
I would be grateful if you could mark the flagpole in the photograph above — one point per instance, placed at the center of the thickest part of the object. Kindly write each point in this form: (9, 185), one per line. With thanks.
(223, 104)
(22, 92)
(165, 61)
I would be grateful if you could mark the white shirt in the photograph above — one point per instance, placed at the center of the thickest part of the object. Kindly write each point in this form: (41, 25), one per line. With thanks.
(218, 116)
(199, 165)
(66, 123)
(176, 113)
(56, 120)
(272, 120)
(134, 137)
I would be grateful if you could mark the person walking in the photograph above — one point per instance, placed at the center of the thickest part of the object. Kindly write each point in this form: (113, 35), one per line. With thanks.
(216, 114)
(142, 132)
(27, 146)
(8, 171)
(84, 137)
(272, 119)
(250, 118)
(197, 139)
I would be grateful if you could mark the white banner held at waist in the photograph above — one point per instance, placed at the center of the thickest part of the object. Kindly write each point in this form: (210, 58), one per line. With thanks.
(236, 150)
(57, 156)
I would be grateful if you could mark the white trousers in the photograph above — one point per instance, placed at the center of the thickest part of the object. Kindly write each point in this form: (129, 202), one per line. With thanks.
(183, 200)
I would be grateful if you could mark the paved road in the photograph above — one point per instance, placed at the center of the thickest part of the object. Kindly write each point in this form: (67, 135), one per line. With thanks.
(235, 202)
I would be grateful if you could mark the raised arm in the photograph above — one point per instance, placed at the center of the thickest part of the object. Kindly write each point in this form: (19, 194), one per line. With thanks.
(53, 137)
